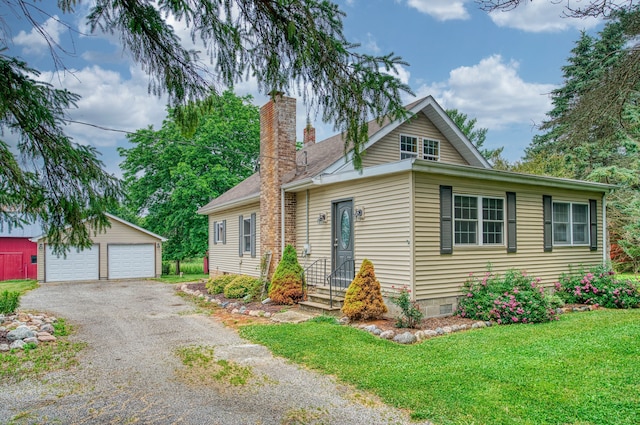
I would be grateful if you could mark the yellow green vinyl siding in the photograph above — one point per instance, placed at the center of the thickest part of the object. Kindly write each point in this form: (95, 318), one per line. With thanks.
(441, 275)
(388, 148)
(224, 258)
(383, 235)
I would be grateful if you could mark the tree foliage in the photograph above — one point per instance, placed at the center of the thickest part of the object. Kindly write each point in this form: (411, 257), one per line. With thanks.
(363, 299)
(477, 136)
(168, 176)
(295, 46)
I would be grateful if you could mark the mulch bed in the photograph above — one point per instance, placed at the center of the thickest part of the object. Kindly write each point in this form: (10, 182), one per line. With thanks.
(384, 324)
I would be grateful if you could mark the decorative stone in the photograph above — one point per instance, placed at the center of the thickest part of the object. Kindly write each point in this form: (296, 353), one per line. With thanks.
(344, 320)
(46, 338)
(243, 309)
(447, 329)
(439, 331)
(255, 313)
(370, 328)
(21, 332)
(47, 327)
(22, 317)
(463, 327)
(267, 314)
(387, 334)
(4, 347)
(16, 344)
(376, 331)
(489, 323)
(420, 336)
(224, 304)
(266, 301)
(455, 328)
(405, 338)
(235, 311)
(430, 333)
(32, 340)
(1, 318)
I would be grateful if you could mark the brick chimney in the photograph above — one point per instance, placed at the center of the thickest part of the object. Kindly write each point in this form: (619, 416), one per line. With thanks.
(309, 134)
(277, 158)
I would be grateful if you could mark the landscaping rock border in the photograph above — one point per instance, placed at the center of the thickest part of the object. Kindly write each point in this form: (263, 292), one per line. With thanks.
(19, 329)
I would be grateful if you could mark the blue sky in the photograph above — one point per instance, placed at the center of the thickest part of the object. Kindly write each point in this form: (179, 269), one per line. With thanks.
(498, 68)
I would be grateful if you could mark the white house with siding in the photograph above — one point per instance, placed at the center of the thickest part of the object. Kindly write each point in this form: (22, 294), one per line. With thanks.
(427, 209)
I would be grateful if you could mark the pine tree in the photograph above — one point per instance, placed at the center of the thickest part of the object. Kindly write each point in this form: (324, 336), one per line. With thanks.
(363, 299)
(287, 285)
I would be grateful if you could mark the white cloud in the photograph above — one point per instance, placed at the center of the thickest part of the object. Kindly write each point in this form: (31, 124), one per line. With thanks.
(108, 100)
(34, 43)
(540, 16)
(442, 10)
(494, 93)
(371, 44)
(402, 73)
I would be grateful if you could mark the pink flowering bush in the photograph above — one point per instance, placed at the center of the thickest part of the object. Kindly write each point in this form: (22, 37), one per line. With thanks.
(512, 298)
(598, 286)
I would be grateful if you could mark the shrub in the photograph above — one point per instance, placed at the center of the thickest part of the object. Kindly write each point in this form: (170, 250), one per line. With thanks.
(9, 301)
(598, 286)
(287, 284)
(215, 285)
(514, 298)
(363, 299)
(243, 286)
(411, 314)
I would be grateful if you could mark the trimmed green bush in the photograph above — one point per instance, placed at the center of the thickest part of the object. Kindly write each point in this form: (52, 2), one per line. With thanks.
(9, 301)
(363, 299)
(598, 286)
(215, 285)
(287, 285)
(514, 298)
(243, 286)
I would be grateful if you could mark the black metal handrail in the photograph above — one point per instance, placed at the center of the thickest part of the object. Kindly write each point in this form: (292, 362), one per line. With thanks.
(315, 274)
(341, 277)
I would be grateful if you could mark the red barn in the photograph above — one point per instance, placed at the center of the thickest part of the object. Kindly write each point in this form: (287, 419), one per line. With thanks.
(18, 255)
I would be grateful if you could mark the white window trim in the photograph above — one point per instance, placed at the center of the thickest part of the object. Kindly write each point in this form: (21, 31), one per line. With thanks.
(415, 154)
(430, 157)
(218, 232)
(246, 247)
(480, 220)
(553, 224)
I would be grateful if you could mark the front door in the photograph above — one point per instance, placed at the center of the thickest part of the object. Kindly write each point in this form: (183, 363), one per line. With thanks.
(342, 232)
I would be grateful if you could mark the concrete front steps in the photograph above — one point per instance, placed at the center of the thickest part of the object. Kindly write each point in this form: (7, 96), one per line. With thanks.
(318, 301)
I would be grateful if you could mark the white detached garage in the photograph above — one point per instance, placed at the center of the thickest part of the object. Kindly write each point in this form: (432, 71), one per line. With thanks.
(122, 251)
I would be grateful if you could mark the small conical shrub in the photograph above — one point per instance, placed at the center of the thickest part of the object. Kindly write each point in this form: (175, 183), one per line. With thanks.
(287, 284)
(363, 299)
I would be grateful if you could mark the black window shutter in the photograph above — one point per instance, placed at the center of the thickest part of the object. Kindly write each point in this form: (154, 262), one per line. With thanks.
(512, 244)
(224, 231)
(215, 232)
(446, 220)
(547, 215)
(241, 240)
(253, 235)
(593, 221)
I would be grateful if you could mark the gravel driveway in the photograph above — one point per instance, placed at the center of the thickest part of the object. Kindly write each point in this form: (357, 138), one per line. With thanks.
(127, 373)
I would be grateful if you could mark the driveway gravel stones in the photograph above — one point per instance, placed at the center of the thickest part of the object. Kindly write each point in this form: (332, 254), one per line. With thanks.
(127, 373)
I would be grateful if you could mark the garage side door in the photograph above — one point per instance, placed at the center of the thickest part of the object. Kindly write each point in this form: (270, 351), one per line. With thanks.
(131, 261)
(78, 265)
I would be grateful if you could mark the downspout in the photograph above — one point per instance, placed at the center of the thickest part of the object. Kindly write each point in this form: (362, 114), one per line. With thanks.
(605, 231)
(307, 197)
(282, 212)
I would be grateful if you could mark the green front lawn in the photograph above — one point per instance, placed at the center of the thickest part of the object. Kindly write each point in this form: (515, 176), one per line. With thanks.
(172, 278)
(582, 369)
(21, 286)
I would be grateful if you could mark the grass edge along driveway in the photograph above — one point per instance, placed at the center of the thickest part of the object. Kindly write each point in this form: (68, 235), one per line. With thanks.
(582, 369)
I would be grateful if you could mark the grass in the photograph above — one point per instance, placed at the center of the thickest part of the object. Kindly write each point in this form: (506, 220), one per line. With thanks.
(201, 367)
(172, 278)
(22, 286)
(627, 276)
(32, 361)
(581, 369)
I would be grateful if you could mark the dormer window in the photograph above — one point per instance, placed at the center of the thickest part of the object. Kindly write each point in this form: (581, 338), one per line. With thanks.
(408, 146)
(431, 149)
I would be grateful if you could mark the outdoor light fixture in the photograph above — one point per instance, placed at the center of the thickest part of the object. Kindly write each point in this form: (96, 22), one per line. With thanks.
(322, 218)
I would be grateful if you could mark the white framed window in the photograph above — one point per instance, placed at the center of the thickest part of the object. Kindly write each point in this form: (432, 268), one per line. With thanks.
(219, 232)
(431, 149)
(478, 220)
(408, 146)
(570, 223)
(246, 231)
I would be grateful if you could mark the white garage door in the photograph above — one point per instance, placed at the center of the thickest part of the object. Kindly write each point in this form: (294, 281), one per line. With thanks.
(129, 261)
(77, 265)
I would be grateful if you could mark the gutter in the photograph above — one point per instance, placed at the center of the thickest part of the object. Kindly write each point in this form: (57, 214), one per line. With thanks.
(234, 203)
